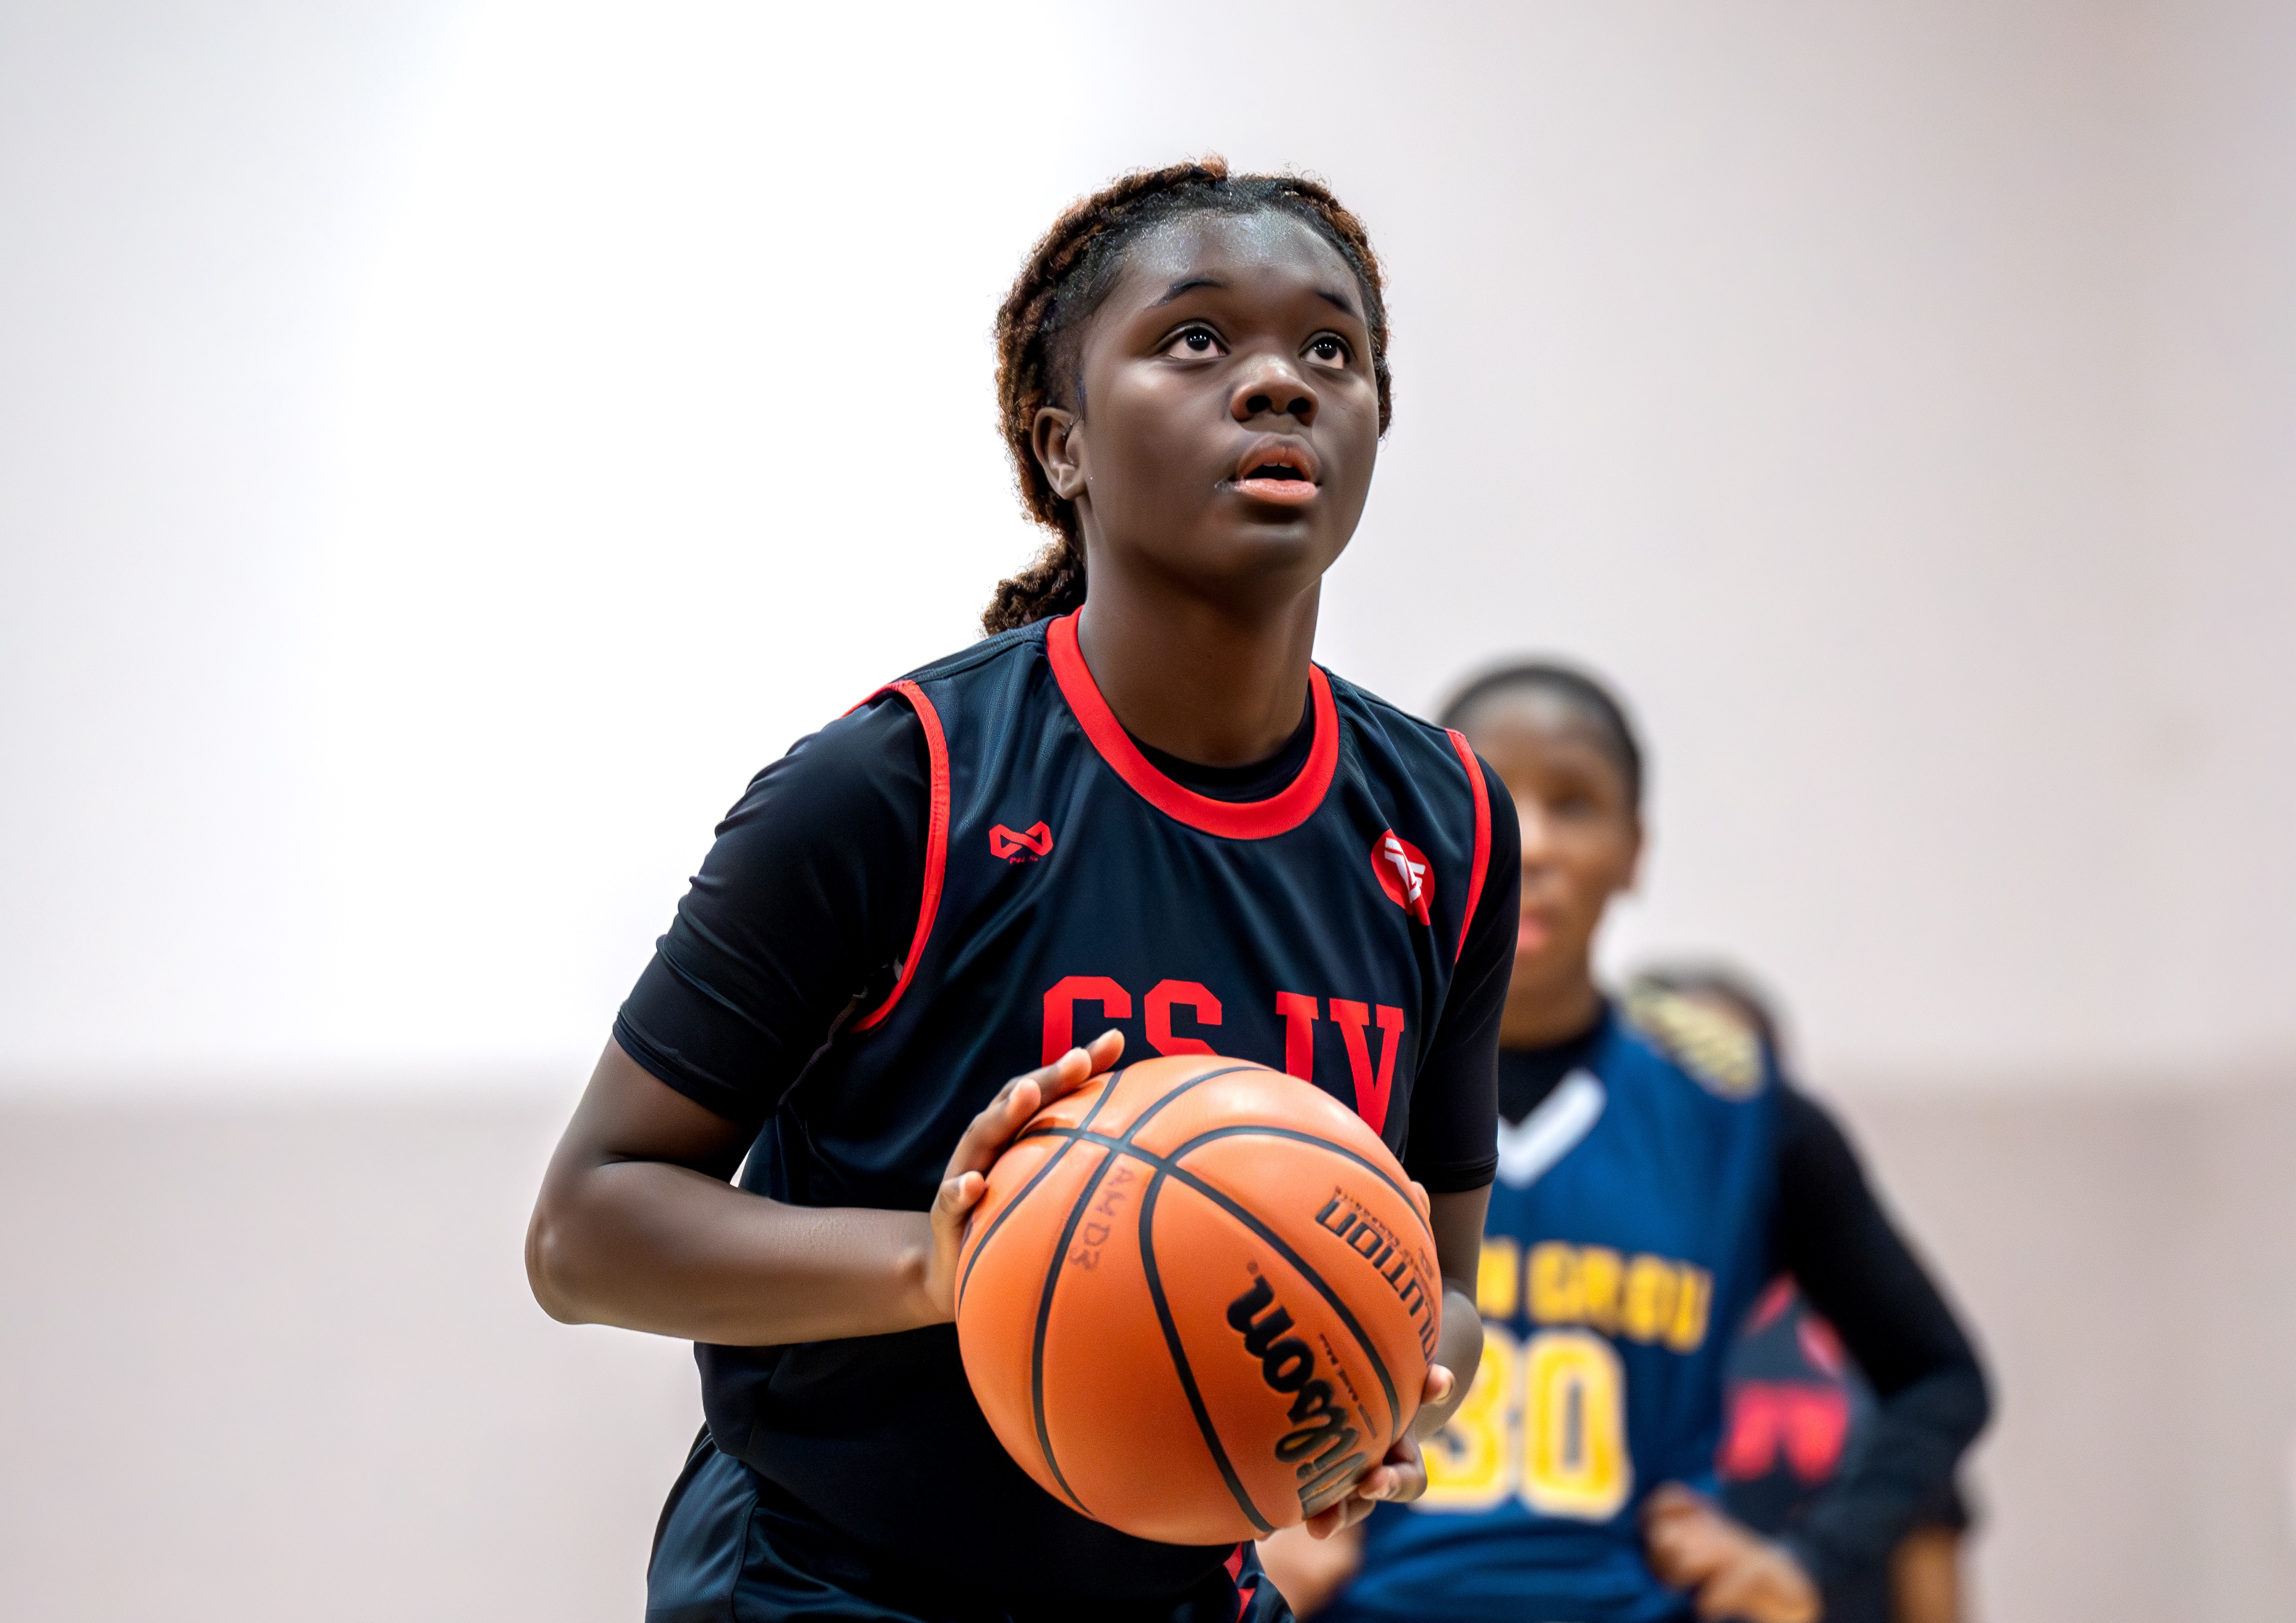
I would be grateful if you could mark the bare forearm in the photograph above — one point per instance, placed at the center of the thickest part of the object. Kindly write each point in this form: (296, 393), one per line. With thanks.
(1456, 1221)
(637, 1226)
(650, 1246)
(1459, 1349)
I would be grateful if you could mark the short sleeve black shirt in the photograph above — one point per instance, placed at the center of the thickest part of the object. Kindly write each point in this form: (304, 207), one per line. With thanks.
(809, 897)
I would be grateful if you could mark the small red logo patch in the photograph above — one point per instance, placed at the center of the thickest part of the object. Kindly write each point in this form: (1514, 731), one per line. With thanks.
(1404, 875)
(1037, 842)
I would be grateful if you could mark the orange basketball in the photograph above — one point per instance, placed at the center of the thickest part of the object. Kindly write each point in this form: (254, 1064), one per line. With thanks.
(1198, 1299)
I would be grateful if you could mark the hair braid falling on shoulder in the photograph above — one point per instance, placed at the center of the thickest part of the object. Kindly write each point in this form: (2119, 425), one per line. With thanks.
(1068, 274)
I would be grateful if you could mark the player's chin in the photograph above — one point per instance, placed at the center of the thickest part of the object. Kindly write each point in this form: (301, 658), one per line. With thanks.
(1260, 541)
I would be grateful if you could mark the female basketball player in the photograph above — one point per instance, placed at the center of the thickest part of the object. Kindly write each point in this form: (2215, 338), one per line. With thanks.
(1654, 1172)
(1136, 803)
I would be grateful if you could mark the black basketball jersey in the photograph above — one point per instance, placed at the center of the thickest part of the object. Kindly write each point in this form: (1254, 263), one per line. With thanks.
(1070, 886)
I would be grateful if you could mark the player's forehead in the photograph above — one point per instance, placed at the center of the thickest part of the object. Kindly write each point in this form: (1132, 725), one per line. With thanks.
(1528, 730)
(1266, 256)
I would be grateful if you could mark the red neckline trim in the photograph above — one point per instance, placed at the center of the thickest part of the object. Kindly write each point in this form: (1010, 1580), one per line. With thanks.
(1230, 819)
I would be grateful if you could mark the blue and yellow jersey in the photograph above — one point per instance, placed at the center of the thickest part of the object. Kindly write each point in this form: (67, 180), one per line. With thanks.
(1627, 1234)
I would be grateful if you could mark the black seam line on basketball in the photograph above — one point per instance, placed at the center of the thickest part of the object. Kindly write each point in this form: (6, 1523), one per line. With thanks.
(1180, 1358)
(1044, 1318)
(1149, 1114)
(1198, 1080)
(1365, 1162)
(1043, 1172)
(1054, 1130)
(1299, 1263)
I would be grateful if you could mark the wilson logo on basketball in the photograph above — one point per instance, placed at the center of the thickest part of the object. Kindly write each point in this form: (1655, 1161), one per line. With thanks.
(1320, 1441)
(1026, 847)
(1404, 875)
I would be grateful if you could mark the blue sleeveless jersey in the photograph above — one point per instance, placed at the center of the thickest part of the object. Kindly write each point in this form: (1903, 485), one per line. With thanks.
(1627, 1235)
(1070, 887)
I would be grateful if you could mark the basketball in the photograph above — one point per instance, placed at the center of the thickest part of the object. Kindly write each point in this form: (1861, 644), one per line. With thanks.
(1198, 1298)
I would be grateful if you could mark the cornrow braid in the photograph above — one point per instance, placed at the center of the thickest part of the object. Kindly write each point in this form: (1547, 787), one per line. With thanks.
(1066, 276)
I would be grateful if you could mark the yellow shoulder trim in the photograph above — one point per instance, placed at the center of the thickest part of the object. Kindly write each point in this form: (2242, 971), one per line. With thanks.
(1722, 1053)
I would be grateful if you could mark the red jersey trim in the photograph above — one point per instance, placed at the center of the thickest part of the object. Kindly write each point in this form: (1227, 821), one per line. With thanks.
(1230, 819)
(935, 842)
(1482, 834)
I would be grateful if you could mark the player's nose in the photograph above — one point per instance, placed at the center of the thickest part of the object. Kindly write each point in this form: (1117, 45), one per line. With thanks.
(1271, 385)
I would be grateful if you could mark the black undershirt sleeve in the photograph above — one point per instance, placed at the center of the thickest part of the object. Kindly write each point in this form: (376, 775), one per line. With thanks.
(808, 898)
(1831, 1234)
(1455, 1099)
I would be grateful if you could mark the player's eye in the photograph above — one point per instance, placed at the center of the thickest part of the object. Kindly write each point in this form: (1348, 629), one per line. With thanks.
(1194, 344)
(1329, 349)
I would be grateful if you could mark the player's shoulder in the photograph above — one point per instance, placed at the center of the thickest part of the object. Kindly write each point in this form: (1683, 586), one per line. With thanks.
(1019, 646)
(1387, 727)
(907, 717)
(873, 756)
(1720, 1052)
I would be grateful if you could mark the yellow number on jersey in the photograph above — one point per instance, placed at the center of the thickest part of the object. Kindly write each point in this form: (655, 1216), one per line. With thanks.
(1575, 1461)
(1469, 1465)
(1547, 1420)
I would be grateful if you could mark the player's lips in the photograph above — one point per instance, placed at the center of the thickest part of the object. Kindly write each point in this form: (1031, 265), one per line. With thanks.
(1530, 934)
(1279, 471)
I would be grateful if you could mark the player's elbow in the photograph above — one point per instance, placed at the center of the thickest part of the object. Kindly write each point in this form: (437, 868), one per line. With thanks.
(553, 1261)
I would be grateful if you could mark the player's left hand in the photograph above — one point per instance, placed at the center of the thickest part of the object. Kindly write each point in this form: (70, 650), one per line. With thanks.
(1733, 1570)
(1400, 1478)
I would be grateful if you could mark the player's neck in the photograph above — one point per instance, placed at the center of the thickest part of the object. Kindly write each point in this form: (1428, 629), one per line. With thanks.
(1197, 681)
(1541, 1017)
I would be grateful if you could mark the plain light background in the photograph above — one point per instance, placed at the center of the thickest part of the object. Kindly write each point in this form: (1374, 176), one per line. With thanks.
(450, 447)
(446, 447)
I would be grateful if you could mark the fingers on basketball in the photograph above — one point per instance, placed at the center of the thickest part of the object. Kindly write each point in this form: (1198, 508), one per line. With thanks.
(1199, 1300)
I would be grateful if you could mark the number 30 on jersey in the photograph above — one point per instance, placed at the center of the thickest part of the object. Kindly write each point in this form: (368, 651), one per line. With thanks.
(1545, 1420)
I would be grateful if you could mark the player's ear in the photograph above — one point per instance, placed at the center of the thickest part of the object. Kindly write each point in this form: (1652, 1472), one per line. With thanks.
(1057, 438)
(1632, 873)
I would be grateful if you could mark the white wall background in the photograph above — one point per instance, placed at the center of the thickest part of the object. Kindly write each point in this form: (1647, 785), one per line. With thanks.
(445, 446)
(451, 446)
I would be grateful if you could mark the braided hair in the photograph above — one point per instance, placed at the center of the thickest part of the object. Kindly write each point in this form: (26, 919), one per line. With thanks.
(1040, 326)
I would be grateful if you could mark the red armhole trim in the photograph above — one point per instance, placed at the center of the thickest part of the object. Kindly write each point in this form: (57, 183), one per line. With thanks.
(1482, 832)
(936, 842)
(1230, 819)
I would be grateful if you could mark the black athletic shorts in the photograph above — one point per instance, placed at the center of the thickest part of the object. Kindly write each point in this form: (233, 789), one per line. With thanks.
(734, 1548)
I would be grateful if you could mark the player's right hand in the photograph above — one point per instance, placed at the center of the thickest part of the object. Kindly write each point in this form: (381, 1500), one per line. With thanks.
(966, 1180)
(1733, 1570)
(1309, 1572)
(1399, 1478)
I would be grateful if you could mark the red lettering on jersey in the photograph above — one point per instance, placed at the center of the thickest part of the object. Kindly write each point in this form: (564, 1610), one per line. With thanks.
(1404, 874)
(1060, 1008)
(1196, 995)
(1037, 842)
(1299, 1011)
(1809, 1422)
(1371, 1094)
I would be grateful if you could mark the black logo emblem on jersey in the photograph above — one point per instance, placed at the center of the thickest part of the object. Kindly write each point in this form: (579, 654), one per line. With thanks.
(1035, 841)
(1322, 1438)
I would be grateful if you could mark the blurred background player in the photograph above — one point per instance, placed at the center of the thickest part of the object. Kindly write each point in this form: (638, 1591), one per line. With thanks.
(1654, 1174)
(1797, 1404)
